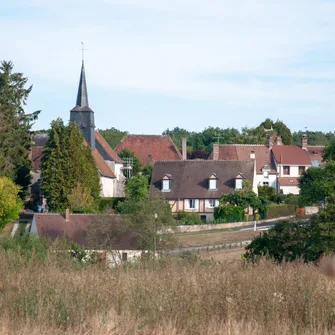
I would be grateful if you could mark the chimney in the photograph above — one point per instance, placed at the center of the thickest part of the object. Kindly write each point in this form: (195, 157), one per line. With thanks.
(215, 152)
(184, 148)
(269, 141)
(67, 215)
(252, 155)
(304, 142)
(279, 140)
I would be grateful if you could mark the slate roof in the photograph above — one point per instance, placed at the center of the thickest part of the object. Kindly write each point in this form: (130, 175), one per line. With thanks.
(105, 150)
(288, 181)
(190, 178)
(291, 155)
(40, 139)
(36, 157)
(150, 148)
(81, 227)
(82, 97)
(242, 152)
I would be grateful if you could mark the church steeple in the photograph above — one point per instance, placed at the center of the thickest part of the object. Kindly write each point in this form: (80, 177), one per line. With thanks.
(82, 98)
(82, 114)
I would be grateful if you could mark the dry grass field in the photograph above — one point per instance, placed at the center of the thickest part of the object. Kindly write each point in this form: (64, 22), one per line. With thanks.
(216, 237)
(172, 296)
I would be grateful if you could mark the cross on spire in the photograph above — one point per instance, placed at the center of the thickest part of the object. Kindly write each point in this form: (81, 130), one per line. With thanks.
(217, 137)
(82, 50)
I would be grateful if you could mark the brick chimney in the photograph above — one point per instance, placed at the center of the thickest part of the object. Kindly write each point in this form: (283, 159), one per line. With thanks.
(215, 152)
(67, 215)
(304, 142)
(279, 140)
(184, 148)
(269, 141)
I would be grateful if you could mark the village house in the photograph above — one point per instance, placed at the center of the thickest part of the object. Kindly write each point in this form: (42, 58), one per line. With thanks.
(150, 148)
(103, 234)
(277, 165)
(196, 185)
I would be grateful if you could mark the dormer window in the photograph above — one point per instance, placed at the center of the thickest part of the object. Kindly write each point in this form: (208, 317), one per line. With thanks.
(166, 183)
(213, 182)
(239, 182)
(266, 171)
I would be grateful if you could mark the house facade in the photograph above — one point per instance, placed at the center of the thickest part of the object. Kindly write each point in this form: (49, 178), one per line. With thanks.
(196, 186)
(103, 234)
(277, 165)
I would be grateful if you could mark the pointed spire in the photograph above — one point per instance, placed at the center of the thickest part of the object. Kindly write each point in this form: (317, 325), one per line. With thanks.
(82, 99)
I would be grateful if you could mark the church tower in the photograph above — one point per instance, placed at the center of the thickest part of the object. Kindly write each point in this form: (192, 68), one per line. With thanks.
(82, 114)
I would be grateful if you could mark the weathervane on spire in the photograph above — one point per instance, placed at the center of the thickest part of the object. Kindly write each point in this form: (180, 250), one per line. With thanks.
(82, 50)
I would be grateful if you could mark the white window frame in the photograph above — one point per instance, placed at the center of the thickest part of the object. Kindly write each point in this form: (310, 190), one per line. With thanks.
(213, 184)
(166, 182)
(238, 184)
(210, 205)
(195, 203)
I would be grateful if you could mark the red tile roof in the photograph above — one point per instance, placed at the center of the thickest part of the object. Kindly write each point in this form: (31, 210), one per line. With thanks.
(79, 229)
(288, 181)
(291, 155)
(101, 164)
(105, 150)
(150, 148)
(242, 152)
(226, 152)
(36, 157)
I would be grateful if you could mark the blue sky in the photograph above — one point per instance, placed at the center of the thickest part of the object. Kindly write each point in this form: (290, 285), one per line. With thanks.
(152, 64)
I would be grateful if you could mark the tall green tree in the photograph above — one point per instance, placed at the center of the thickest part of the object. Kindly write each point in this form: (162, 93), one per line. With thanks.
(10, 204)
(113, 136)
(15, 126)
(316, 184)
(67, 162)
(150, 218)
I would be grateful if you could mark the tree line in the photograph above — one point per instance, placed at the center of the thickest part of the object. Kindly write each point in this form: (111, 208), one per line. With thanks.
(200, 144)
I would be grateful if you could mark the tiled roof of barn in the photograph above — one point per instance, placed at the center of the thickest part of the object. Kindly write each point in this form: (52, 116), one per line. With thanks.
(242, 152)
(150, 148)
(81, 227)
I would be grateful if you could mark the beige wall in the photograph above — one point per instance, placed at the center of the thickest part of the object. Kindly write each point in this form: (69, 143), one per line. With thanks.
(178, 205)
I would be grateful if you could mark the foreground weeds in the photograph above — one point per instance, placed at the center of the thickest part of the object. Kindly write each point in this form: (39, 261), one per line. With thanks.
(56, 296)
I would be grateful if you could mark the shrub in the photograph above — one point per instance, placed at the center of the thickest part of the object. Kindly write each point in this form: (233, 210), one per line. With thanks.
(109, 203)
(187, 218)
(294, 199)
(278, 210)
(266, 192)
(229, 213)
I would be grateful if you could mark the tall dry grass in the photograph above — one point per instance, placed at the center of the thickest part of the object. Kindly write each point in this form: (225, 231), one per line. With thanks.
(56, 296)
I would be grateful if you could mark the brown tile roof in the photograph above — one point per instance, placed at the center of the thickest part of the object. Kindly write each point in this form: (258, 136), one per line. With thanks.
(291, 155)
(150, 148)
(81, 227)
(189, 179)
(288, 181)
(105, 150)
(101, 164)
(242, 152)
(226, 152)
(36, 157)
(315, 152)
